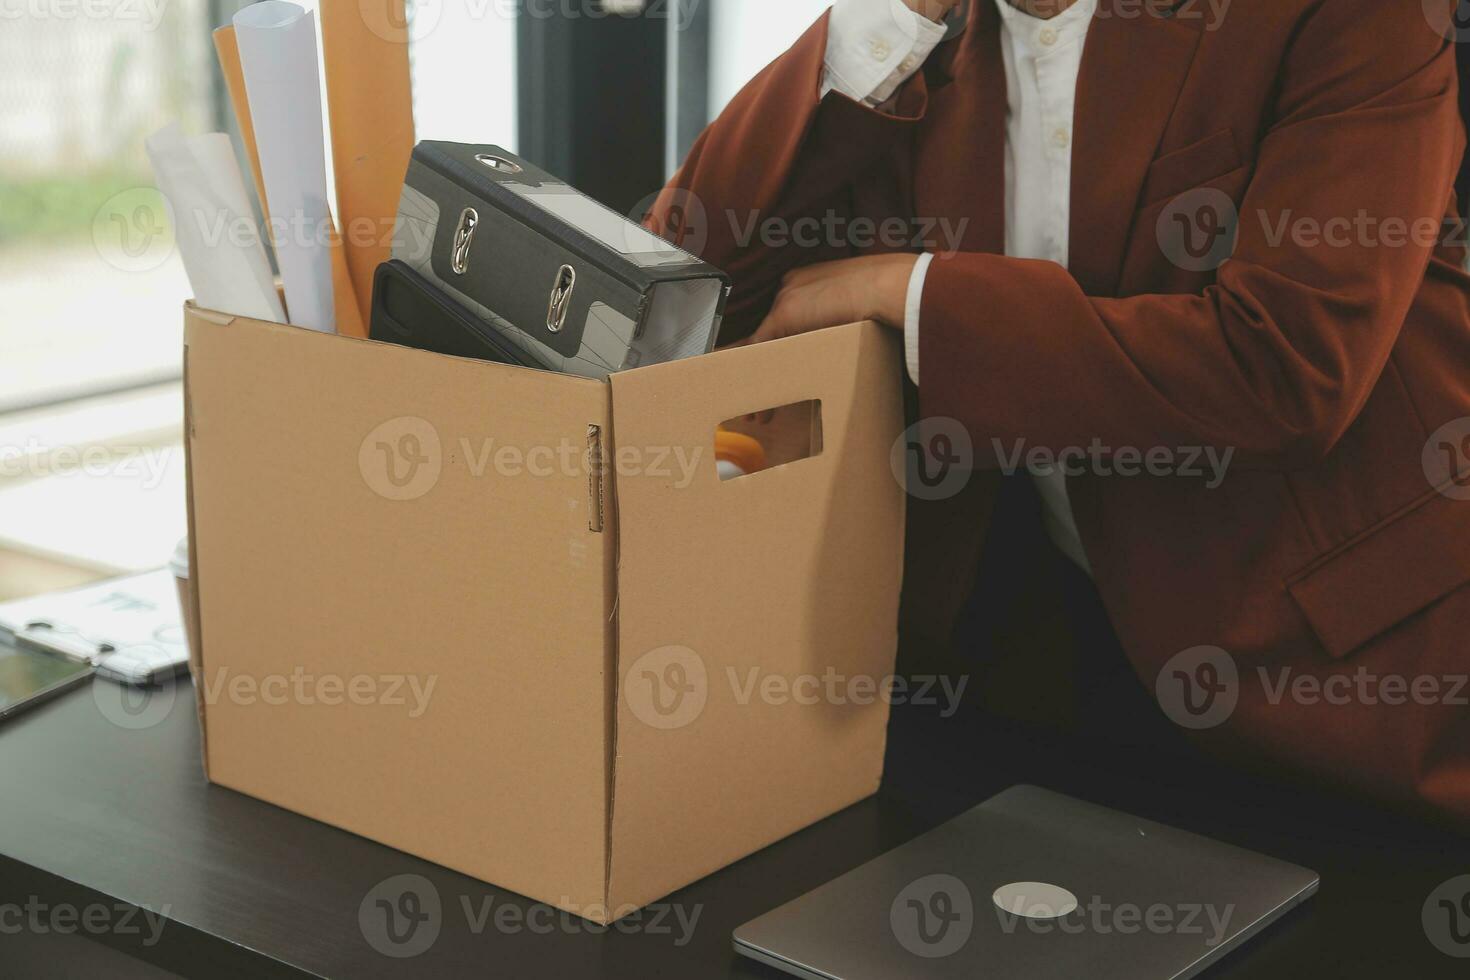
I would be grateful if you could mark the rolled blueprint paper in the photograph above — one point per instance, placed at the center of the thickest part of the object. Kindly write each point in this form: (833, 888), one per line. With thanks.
(213, 223)
(278, 56)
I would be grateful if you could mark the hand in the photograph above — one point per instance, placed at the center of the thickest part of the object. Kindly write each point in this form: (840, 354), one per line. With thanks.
(874, 287)
(935, 10)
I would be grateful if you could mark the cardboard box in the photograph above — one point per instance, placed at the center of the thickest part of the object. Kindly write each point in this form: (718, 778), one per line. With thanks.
(514, 623)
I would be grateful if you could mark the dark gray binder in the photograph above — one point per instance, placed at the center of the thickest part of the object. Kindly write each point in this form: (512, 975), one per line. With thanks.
(576, 285)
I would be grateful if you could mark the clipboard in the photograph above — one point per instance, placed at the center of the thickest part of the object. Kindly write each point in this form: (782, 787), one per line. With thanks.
(130, 629)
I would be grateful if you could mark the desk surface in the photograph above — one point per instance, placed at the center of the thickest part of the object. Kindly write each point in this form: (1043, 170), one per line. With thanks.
(96, 813)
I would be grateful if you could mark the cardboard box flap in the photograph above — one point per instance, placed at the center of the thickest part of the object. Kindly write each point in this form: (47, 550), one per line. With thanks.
(331, 478)
(806, 562)
(191, 596)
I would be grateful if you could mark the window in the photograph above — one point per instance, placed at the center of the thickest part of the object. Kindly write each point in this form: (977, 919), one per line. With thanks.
(89, 284)
(715, 48)
(91, 449)
(745, 37)
(91, 468)
(464, 72)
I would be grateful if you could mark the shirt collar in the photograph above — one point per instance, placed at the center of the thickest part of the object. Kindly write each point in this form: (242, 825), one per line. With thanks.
(1068, 26)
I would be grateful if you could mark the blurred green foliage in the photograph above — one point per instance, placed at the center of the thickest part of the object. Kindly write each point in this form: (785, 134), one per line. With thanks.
(59, 208)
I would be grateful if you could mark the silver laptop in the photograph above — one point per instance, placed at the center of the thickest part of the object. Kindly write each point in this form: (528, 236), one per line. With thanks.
(1032, 885)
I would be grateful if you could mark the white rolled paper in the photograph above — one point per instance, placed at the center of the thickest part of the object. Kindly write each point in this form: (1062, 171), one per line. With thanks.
(213, 224)
(278, 57)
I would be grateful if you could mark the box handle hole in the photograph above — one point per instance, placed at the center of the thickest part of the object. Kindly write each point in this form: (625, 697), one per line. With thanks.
(765, 440)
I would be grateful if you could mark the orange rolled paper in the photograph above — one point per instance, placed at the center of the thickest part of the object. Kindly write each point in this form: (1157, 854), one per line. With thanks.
(370, 104)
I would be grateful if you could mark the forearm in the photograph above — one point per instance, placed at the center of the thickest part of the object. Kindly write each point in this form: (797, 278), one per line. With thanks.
(1270, 370)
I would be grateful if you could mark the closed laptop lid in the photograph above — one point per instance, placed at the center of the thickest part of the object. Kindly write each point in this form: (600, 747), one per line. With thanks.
(1032, 885)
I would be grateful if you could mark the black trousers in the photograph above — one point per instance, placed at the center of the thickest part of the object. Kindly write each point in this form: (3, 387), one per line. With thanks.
(1040, 646)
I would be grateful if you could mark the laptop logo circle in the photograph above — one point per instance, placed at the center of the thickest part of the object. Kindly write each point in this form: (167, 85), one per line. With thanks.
(933, 916)
(1035, 900)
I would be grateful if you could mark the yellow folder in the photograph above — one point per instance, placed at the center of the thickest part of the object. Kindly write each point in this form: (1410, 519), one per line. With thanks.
(370, 104)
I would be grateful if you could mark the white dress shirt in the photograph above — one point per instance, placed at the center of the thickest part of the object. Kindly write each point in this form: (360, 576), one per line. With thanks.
(874, 46)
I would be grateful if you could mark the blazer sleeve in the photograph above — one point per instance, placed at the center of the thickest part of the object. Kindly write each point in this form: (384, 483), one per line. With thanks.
(1278, 356)
(780, 163)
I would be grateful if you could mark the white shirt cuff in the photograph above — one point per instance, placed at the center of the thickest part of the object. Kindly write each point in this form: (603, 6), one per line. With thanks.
(912, 306)
(874, 46)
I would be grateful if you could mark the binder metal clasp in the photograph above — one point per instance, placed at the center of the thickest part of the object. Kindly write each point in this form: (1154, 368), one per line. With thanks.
(464, 234)
(561, 298)
(498, 163)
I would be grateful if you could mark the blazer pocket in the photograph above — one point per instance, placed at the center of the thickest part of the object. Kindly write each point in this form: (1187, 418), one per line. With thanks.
(1387, 574)
(1199, 163)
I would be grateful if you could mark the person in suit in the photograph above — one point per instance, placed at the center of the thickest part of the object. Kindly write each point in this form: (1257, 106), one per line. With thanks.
(1185, 271)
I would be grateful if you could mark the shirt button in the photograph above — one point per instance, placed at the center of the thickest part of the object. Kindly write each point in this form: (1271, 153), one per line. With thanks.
(879, 49)
(1062, 138)
(1048, 36)
(908, 64)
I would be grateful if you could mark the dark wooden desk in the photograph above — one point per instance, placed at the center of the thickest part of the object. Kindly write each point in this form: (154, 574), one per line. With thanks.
(100, 820)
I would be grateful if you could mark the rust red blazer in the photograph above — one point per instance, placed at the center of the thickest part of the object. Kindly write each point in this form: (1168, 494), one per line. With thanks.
(1338, 548)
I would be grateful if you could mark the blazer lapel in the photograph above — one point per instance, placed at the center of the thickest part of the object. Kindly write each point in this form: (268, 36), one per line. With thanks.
(960, 148)
(1133, 69)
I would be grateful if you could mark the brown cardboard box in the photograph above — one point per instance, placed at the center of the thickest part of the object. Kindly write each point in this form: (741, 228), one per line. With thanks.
(426, 618)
